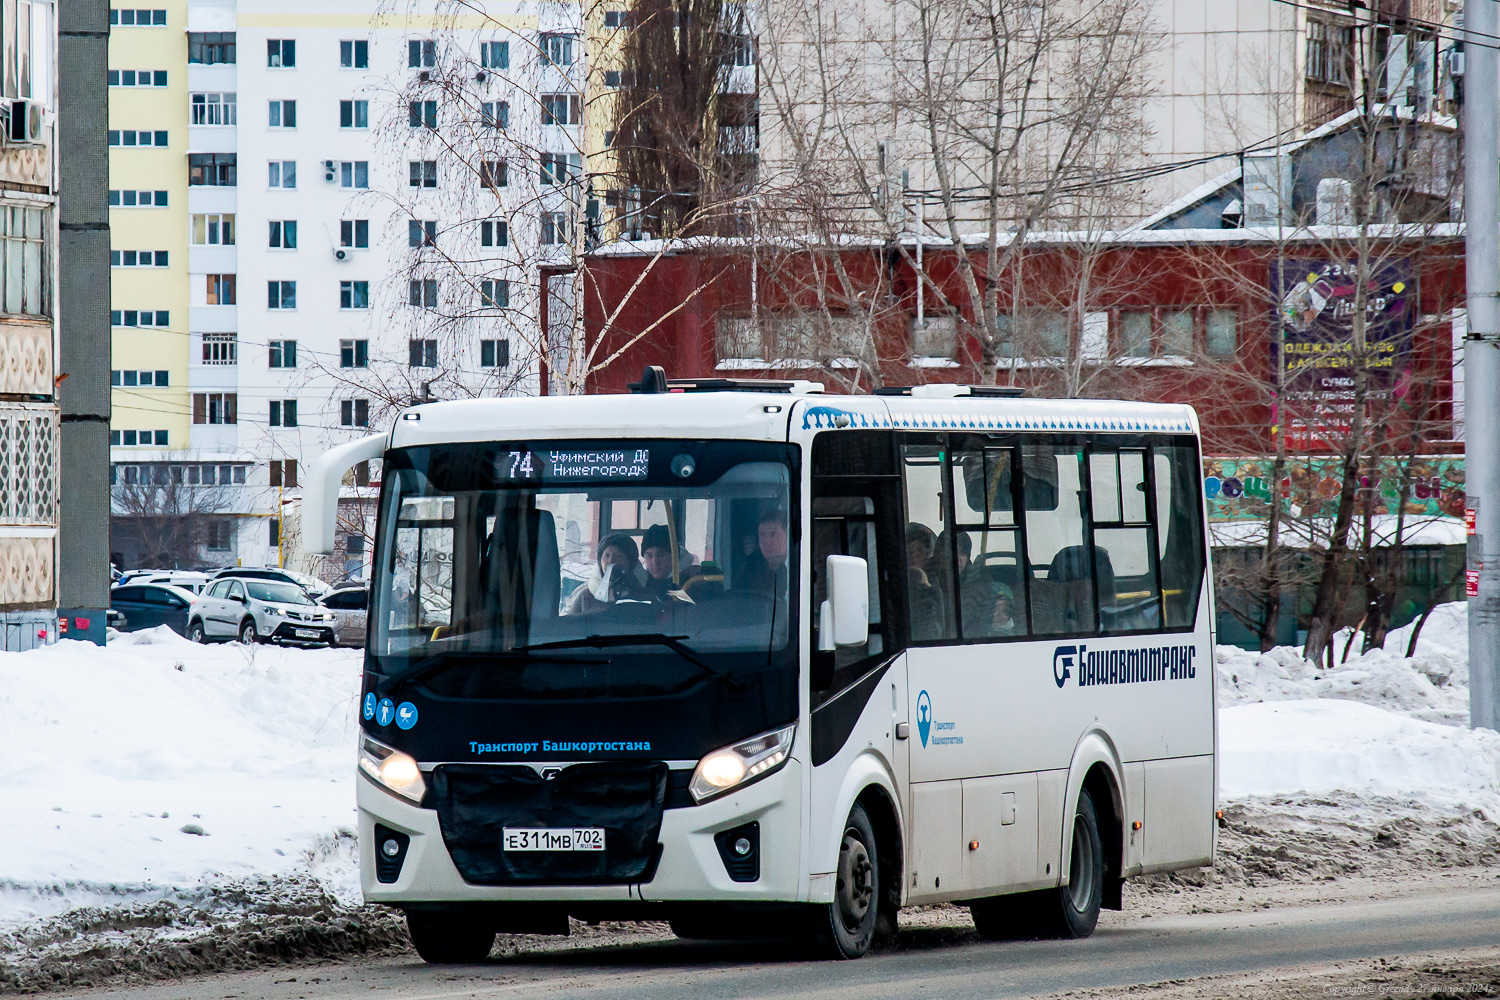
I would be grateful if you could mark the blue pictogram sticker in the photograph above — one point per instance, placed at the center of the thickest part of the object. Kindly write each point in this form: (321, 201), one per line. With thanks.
(406, 715)
(369, 706)
(924, 716)
(385, 711)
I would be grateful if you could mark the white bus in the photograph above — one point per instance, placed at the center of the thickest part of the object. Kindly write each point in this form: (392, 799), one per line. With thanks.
(750, 659)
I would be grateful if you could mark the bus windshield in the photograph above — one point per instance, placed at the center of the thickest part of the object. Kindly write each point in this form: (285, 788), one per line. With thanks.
(652, 563)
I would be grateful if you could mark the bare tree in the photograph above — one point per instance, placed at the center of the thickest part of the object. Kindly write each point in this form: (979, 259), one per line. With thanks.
(158, 512)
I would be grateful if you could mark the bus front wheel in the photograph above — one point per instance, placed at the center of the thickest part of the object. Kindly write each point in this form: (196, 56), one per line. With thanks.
(446, 939)
(845, 927)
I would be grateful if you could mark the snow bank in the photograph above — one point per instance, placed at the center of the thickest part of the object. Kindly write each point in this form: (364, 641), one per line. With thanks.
(140, 770)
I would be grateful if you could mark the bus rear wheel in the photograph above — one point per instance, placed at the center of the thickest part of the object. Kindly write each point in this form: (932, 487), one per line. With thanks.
(1069, 911)
(445, 939)
(845, 927)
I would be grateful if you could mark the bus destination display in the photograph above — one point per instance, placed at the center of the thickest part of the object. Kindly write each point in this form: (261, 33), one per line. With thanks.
(583, 465)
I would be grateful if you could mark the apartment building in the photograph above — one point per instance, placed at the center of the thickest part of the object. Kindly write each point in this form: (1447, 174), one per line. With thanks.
(352, 211)
(29, 414)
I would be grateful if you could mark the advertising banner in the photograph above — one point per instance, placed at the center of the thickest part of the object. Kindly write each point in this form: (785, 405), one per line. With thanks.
(1315, 314)
(1239, 489)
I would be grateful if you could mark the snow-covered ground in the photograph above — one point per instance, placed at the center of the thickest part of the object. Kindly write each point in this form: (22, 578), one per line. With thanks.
(163, 784)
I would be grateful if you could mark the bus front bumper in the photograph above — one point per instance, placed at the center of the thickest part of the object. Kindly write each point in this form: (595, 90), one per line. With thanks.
(691, 867)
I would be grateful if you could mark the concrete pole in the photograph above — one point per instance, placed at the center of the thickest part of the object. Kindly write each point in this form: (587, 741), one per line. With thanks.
(1482, 355)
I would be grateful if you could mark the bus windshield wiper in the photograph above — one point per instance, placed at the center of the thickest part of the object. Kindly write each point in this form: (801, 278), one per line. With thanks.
(672, 642)
(438, 662)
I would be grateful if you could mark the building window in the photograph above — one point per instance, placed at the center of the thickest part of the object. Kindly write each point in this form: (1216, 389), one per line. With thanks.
(494, 233)
(354, 174)
(1221, 333)
(361, 478)
(136, 77)
(220, 348)
(354, 295)
(354, 233)
(137, 199)
(211, 48)
(354, 54)
(561, 109)
(138, 258)
(283, 472)
(281, 53)
(141, 317)
(421, 232)
(354, 354)
(420, 113)
(283, 353)
(273, 536)
(494, 293)
(555, 228)
(619, 78)
(355, 412)
(138, 18)
(1329, 52)
(559, 168)
(211, 169)
(423, 353)
(422, 173)
(283, 235)
(214, 109)
(283, 114)
(213, 230)
(494, 353)
(422, 292)
(616, 19)
(215, 408)
(220, 289)
(283, 174)
(495, 114)
(494, 55)
(421, 53)
(354, 114)
(281, 295)
(283, 413)
(494, 173)
(556, 48)
(137, 137)
(131, 377)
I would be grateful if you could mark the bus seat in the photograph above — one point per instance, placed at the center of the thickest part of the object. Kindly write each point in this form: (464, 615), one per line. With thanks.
(525, 571)
(1064, 601)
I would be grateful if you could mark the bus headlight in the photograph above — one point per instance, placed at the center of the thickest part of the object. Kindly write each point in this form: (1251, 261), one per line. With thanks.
(741, 763)
(391, 769)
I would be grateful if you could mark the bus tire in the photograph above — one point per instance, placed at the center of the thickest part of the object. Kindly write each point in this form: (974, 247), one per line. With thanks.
(845, 927)
(445, 939)
(1073, 909)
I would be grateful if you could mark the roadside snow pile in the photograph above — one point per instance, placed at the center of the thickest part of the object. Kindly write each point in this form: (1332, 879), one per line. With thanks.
(141, 771)
(1432, 686)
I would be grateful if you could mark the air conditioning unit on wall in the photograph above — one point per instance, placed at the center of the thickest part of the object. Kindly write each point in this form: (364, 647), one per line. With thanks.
(23, 123)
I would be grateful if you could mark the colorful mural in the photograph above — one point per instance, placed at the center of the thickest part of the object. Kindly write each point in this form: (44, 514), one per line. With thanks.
(1239, 489)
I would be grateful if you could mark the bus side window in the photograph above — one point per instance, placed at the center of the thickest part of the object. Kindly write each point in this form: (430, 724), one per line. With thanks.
(929, 566)
(1062, 583)
(987, 551)
(1125, 569)
(845, 526)
(1179, 529)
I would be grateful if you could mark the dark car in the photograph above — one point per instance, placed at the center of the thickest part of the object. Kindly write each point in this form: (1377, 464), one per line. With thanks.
(349, 604)
(147, 605)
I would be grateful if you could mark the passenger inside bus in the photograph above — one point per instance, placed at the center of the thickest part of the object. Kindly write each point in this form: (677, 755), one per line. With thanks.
(656, 554)
(988, 603)
(619, 576)
(926, 601)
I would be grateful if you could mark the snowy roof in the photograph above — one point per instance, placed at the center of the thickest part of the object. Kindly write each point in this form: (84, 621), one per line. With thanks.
(1314, 533)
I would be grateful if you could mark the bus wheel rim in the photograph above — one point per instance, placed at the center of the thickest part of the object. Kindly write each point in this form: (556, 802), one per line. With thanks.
(856, 890)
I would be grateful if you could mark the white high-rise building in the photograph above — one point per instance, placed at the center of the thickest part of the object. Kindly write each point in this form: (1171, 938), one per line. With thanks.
(368, 195)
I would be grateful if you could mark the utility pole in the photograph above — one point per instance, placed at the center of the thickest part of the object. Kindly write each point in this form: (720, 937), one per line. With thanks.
(1482, 355)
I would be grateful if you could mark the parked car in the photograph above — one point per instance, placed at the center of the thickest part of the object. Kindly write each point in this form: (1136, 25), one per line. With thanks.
(186, 579)
(147, 605)
(311, 584)
(259, 611)
(350, 605)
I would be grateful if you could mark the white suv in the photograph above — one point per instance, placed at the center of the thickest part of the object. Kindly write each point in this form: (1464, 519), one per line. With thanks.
(259, 611)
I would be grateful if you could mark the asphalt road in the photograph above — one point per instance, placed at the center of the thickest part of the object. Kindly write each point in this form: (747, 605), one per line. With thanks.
(929, 963)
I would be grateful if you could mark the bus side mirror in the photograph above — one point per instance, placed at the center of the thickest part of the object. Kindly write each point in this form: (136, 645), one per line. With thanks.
(844, 618)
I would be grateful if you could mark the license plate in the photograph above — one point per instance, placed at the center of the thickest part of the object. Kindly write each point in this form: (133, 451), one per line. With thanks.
(307, 633)
(590, 838)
